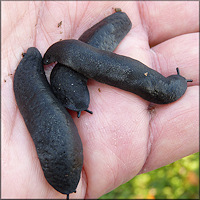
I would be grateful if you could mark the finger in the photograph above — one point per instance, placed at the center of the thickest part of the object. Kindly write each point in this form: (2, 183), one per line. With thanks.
(165, 20)
(174, 131)
(182, 52)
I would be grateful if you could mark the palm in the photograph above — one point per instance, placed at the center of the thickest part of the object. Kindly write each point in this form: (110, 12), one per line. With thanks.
(123, 137)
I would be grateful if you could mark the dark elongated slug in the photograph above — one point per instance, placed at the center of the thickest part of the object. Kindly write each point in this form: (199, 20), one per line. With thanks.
(119, 71)
(52, 129)
(69, 86)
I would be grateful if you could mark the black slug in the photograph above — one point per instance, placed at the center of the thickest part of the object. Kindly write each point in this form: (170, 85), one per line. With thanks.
(52, 129)
(69, 86)
(119, 71)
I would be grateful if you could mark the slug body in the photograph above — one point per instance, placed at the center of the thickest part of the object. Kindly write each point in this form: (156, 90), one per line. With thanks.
(118, 71)
(52, 129)
(69, 86)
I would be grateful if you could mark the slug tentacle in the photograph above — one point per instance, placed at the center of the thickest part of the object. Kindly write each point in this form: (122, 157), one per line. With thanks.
(178, 72)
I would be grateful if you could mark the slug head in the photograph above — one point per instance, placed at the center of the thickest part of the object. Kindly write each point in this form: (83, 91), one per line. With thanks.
(59, 51)
(52, 53)
(177, 85)
(48, 59)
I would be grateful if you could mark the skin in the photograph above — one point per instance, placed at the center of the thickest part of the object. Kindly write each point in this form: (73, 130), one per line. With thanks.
(134, 138)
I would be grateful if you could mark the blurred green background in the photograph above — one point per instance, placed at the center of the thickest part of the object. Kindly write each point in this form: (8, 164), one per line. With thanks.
(179, 180)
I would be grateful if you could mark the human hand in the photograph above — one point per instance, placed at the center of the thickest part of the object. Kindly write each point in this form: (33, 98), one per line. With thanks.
(126, 135)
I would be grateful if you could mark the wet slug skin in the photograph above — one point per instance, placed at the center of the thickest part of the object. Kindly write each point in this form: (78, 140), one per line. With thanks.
(52, 129)
(118, 71)
(69, 86)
